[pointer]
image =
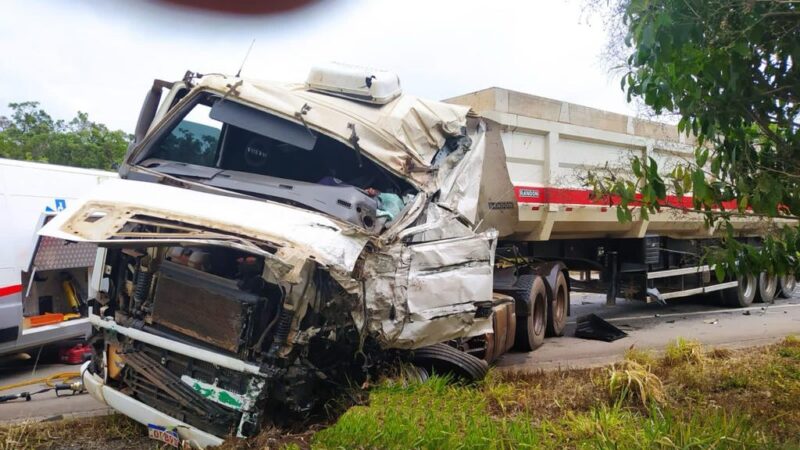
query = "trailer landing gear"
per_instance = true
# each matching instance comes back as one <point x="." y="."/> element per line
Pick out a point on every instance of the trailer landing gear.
<point x="613" y="282"/>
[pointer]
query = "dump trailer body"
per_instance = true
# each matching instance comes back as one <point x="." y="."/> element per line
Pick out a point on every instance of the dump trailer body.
<point x="539" y="152"/>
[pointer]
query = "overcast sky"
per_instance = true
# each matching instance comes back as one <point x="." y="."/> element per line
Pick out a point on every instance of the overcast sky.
<point x="101" y="56"/>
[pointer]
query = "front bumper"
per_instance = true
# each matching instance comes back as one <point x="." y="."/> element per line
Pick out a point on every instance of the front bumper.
<point x="142" y="413"/>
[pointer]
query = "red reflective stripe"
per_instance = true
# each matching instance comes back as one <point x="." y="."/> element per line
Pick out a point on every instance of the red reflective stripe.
<point x="544" y="195"/>
<point x="8" y="290"/>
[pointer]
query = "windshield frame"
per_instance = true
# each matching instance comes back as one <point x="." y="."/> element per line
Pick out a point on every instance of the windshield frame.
<point x="144" y="152"/>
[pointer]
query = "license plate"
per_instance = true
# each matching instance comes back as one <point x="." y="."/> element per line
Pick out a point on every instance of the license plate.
<point x="159" y="433"/>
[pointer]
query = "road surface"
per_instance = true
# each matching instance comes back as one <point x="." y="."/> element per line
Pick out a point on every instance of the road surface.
<point x="652" y="326"/>
<point x="648" y="326"/>
<point x="46" y="406"/>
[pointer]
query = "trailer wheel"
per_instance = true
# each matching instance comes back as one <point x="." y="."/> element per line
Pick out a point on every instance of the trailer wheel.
<point x="442" y="359"/>
<point x="767" y="287"/>
<point x="744" y="294"/>
<point x="531" y="327"/>
<point x="786" y="286"/>
<point x="557" y="309"/>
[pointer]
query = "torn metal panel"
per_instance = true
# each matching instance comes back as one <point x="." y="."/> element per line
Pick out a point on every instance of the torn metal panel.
<point x="450" y="272"/>
<point x="424" y="293"/>
<point x="385" y="304"/>
<point x="102" y="216"/>
<point x="460" y="187"/>
<point x="440" y="223"/>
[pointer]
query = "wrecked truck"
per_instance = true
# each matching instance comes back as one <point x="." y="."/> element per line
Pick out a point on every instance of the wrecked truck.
<point x="267" y="245"/>
<point x="270" y="244"/>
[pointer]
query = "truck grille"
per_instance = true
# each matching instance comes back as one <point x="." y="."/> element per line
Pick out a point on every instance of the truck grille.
<point x="153" y="384"/>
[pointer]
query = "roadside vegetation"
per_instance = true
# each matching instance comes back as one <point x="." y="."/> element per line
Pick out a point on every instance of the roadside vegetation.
<point x="685" y="397"/>
<point x="29" y="133"/>
<point x="727" y="71"/>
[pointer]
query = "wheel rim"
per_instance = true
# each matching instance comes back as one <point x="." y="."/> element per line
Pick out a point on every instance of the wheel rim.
<point x="769" y="285"/>
<point x="539" y="320"/>
<point x="747" y="286"/>
<point x="788" y="284"/>
<point x="560" y="305"/>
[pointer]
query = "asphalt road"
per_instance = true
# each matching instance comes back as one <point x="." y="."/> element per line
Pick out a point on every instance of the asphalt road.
<point x="45" y="406"/>
<point x="653" y="326"/>
<point x="648" y="325"/>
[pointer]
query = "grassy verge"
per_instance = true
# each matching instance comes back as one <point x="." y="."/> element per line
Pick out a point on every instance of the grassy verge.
<point x="688" y="398"/>
<point x="92" y="433"/>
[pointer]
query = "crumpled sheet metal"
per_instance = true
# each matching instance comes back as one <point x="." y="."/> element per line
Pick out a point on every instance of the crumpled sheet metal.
<point x="402" y="135"/>
<point x="298" y="233"/>
<point x="421" y="294"/>
<point x="460" y="187"/>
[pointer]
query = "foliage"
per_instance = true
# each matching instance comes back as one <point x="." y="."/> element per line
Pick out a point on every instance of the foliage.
<point x="633" y="382"/>
<point x="744" y="400"/>
<point x="683" y="351"/>
<point x="728" y="69"/>
<point x="31" y="134"/>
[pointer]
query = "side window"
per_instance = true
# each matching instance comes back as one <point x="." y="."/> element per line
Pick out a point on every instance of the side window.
<point x="194" y="140"/>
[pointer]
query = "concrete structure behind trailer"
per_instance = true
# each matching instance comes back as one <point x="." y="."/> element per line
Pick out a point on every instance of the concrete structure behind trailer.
<point x="538" y="153"/>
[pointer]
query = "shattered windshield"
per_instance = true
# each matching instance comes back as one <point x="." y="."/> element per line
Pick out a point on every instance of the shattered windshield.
<point x="228" y="145"/>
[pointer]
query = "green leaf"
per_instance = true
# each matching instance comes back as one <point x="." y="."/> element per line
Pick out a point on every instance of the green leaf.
<point x="637" y="167"/>
<point x="702" y="156"/>
<point x="620" y="214"/>
<point x="719" y="270"/>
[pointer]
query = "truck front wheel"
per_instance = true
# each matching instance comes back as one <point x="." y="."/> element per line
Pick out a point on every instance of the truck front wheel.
<point x="557" y="309"/>
<point x="531" y="327"/>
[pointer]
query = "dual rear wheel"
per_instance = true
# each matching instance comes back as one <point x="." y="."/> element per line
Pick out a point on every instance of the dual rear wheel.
<point x="547" y="314"/>
<point x="763" y="288"/>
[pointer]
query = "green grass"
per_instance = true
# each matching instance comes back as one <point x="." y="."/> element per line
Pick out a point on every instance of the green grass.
<point x="691" y="398"/>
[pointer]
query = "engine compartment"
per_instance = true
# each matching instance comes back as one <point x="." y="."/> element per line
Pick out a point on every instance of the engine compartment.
<point x="226" y="301"/>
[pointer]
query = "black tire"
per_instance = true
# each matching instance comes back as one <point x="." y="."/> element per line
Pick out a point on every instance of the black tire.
<point x="767" y="288"/>
<point x="442" y="359"/>
<point x="532" y="326"/>
<point x="558" y="307"/>
<point x="742" y="295"/>
<point x="786" y="286"/>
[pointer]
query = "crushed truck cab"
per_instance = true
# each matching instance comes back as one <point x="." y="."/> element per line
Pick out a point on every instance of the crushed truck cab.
<point x="268" y="245"/>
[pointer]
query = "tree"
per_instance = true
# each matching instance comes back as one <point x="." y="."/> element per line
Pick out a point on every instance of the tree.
<point x="31" y="134"/>
<point x="728" y="69"/>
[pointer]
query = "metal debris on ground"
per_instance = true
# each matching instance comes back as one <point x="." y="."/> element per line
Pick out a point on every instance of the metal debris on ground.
<point x="591" y="326"/>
